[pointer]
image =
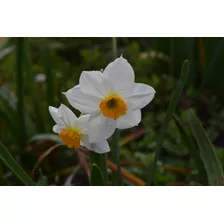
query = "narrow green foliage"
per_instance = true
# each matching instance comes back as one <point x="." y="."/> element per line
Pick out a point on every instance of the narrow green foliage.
<point x="172" y="106"/>
<point x="207" y="151"/>
<point x="12" y="164"/>
<point x="172" y="55"/>
<point x="212" y="66"/>
<point x="8" y="105"/>
<point x="20" y="88"/>
<point x="101" y="161"/>
<point x="117" y="177"/>
<point x="192" y="148"/>
<point x="96" y="178"/>
<point x="50" y="83"/>
<point x="32" y="89"/>
<point x="50" y="79"/>
<point x="103" y="165"/>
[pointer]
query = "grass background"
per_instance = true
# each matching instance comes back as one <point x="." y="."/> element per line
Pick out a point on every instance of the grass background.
<point x="34" y="72"/>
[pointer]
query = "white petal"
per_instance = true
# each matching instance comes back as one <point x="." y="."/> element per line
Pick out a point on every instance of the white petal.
<point x="55" y="114"/>
<point x="67" y="115"/>
<point x="120" y="72"/>
<point x="126" y="90"/>
<point x="141" y="96"/>
<point x="82" y="123"/>
<point x="85" y="141"/>
<point x="83" y="102"/>
<point x="58" y="128"/>
<point x="94" y="83"/>
<point x="101" y="147"/>
<point x="131" y="119"/>
<point x="100" y="127"/>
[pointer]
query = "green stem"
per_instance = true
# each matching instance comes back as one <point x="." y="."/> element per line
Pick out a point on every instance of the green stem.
<point x="20" y="89"/>
<point x="117" y="177"/>
<point x="114" y="46"/>
<point x="172" y="54"/>
<point x="103" y="166"/>
<point x="101" y="161"/>
<point x="177" y="92"/>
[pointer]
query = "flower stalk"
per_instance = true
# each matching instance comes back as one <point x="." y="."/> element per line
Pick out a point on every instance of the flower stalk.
<point x="117" y="177"/>
<point x="20" y="88"/>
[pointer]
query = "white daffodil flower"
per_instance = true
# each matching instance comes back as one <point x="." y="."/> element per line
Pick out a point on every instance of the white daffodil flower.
<point x="73" y="131"/>
<point x="112" y="98"/>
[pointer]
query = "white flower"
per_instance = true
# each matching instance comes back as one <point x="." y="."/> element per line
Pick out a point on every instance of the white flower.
<point x="73" y="131"/>
<point x="112" y="98"/>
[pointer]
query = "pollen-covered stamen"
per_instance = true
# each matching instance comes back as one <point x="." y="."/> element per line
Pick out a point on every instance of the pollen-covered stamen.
<point x="113" y="106"/>
<point x="70" y="138"/>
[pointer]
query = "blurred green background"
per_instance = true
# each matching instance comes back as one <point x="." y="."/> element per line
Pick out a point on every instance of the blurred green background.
<point x="34" y="72"/>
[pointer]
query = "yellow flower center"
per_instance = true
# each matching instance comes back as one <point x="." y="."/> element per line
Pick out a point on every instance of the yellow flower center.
<point x="113" y="106"/>
<point x="70" y="137"/>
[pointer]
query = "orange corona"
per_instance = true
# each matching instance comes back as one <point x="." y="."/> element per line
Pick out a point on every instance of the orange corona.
<point x="70" y="138"/>
<point x="113" y="106"/>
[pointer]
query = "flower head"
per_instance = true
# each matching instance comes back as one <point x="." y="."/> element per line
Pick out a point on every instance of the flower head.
<point x="112" y="98"/>
<point x="73" y="131"/>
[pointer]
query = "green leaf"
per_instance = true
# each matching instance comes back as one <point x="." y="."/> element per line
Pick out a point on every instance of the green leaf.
<point x="20" y="89"/>
<point x="172" y="106"/>
<point x="12" y="164"/>
<point x="193" y="149"/>
<point x="212" y="65"/>
<point x="32" y="89"/>
<point x="207" y="151"/>
<point x="117" y="177"/>
<point x="8" y="102"/>
<point x="101" y="161"/>
<point x="96" y="178"/>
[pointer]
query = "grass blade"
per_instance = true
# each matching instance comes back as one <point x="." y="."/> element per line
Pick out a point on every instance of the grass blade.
<point x="172" y="106"/>
<point x="172" y="55"/>
<point x="207" y="151"/>
<point x="101" y="161"/>
<point x="20" y="89"/>
<point x="32" y="89"/>
<point x="50" y="83"/>
<point x="96" y="178"/>
<point x="12" y="164"/>
<point x="8" y="104"/>
<point x="211" y="66"/>
<point x="192" y="148"/>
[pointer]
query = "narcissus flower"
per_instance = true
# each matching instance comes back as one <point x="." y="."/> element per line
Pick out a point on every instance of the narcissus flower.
<point x="112" y="98"/>
<point x="73" y="131"/>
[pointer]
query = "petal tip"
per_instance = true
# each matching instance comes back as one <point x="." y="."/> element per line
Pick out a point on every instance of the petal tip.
<point x="52" y="109"/>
